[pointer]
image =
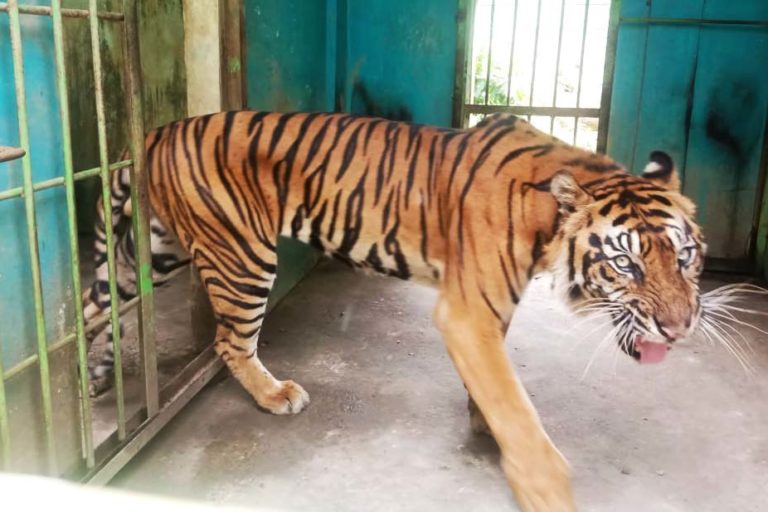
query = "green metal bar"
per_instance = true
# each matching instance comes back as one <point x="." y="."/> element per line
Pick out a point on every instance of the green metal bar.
<point x="141" y="209"/>
<point x="31" y="360"/>
<point x="176" y="395"/>
<point x="95" y="323"/>
<point x="53" y="182"/>
<point x="524" y="110"/>
<point x="40" y="10"/>
<point x="490" y="53"/>
<point x="693" y="21"/>
<point x="512" y="53"/>
<point x="557" y="63"/>
<point x="5" y="434"/>
<point x="581" y="69"/>
<point x="29" y="207"/>
<point x="535" y="53"/>
<point x="608" y="72"/>
<point x="106" y="195"/>
<point x="86" y="423"/>
<point x="103" y="319"/>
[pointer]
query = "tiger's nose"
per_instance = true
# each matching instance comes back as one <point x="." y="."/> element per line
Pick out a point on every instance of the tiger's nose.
<point x="674" y="331"/>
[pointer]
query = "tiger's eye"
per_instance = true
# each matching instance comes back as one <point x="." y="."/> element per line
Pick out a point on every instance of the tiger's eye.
<point x="624" y="263"/>
<point x="686" y="255"/>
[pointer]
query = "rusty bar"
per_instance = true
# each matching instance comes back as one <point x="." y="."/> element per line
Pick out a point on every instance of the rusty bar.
<point x="141" y="210"/>
<point x="106" y="196"/>
<point x="232" y="35"/>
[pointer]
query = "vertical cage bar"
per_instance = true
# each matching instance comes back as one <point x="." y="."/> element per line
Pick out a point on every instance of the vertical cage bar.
<point x="512" y="53"/>
<point x="141" y="209"/>
<point x="462" y="88"/>
<point x="557" y="63"/>
<point x="581" y="69"/>
<point x="86" y="425"/>
<point x="34" y="256"/>
<point x="5" y="434"/>
<point x="535" y="54"/>
<point x="106" y="196"/>
<point x="608" y="71"/>
<point x="490" y="53"/>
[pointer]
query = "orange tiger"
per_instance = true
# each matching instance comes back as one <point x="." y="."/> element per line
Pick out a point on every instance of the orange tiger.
<point x="475" y="213"/>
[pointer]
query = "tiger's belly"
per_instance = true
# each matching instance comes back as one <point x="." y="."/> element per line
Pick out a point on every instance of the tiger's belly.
<point x="373" y="253"/>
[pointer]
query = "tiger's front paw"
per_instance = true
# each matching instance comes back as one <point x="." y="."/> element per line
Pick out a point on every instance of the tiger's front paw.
<point x="289" y="398"/>
<point x="542" y="484"/>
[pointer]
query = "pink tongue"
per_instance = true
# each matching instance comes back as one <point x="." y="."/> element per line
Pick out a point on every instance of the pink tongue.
<point x="650" y="352"/>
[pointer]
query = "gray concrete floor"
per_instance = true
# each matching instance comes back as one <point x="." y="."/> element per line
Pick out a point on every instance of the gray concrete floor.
<point x="387" y="428"/>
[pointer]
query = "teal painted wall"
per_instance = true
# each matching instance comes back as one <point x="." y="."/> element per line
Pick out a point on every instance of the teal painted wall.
<point x="17" y="310"/>
<point x="699" y="93"/>
<point x="390" y="58"/>
<point x="400" y="58"/>
<point x="17" y="319"/>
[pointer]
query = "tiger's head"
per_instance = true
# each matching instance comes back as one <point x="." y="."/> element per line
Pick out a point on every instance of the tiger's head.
<point x="629" y="250"/>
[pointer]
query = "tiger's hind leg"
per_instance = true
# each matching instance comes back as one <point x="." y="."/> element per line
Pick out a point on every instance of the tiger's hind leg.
<point x="239" y="304"/>
<point x="100" y="375"/>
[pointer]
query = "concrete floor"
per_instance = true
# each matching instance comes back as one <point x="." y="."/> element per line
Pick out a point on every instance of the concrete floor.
<point x="387" y="428"/>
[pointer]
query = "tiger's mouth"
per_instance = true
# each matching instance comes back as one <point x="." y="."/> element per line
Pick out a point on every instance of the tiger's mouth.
<point x="647" y="350"/>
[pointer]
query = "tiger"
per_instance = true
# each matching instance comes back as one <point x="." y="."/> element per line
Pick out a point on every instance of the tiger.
<point x="475" y="213"/>
<point x="167" y="256"/>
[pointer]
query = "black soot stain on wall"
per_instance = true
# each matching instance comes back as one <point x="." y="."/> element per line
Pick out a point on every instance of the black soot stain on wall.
<point x="364" y="103"/>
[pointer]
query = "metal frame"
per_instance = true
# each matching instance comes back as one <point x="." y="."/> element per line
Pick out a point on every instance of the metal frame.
<point x="463" y="108"/>
<point x="100" y="463"/>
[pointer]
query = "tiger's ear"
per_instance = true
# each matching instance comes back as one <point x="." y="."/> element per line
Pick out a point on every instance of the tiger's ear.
<point x="568" y="193"/>
<point x="661" y="171"/>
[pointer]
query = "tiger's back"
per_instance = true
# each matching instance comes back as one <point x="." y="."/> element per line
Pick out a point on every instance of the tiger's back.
<point x="375" y="193"/>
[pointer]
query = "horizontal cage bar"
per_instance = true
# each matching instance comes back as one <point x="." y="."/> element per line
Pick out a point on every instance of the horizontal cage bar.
<point x="95" y="323"/>
<point x="8" y="153"/>
<point x="39" y="10"/>
<point x="694" y="21"/>
<point x="525" y="110"/>
<point x="53" y="182"/>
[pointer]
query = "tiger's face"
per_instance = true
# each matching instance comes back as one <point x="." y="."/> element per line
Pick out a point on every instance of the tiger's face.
<point x="630" y="252"/>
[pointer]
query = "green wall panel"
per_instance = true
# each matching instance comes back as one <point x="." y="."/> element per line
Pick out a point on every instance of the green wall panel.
<point x="699" y="93"/>
<point x="400" y="59"/>
<point x="286" y="71"/>
<point x="389" y="58"/>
